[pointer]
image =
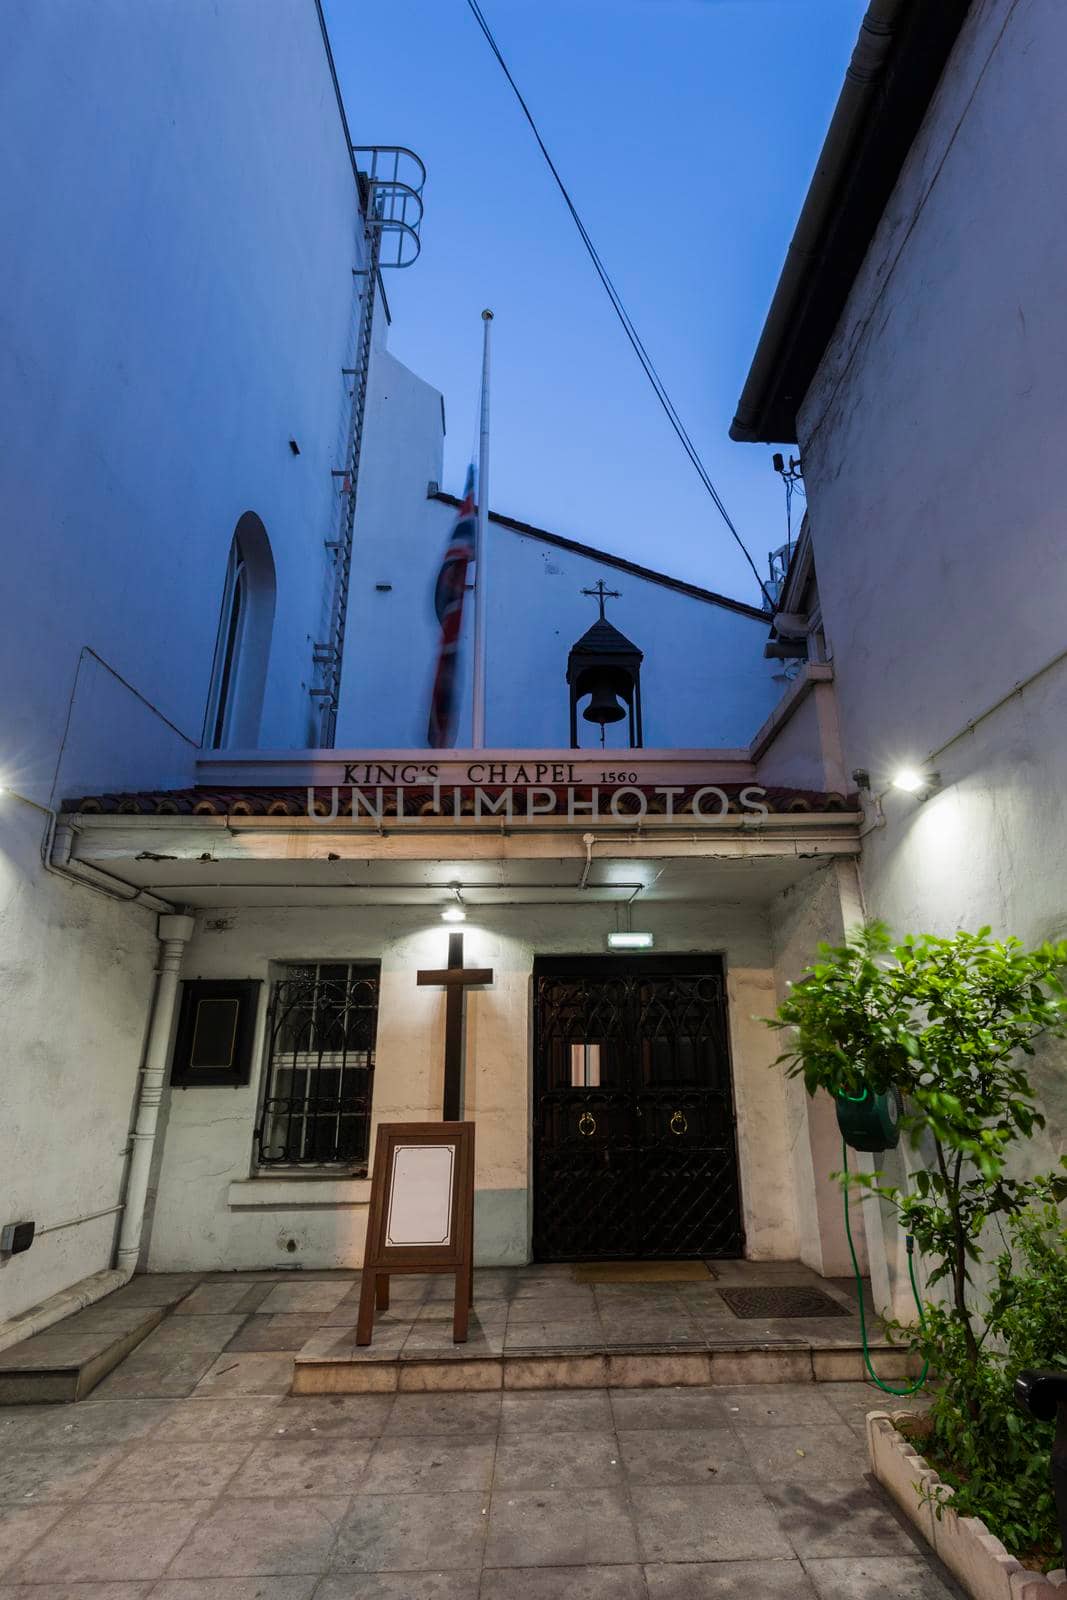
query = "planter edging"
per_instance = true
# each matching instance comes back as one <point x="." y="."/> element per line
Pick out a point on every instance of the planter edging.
<point x="971" y="1553"/>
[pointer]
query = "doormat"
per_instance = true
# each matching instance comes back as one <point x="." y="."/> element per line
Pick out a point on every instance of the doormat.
<point x="642" y="1272"/>
<point x="781" y="1301"/>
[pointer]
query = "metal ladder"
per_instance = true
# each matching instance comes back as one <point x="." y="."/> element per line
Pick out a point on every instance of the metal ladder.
<point x="392" y="209"/>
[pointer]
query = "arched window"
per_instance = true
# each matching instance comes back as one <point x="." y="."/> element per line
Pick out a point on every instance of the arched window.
<point x="242" y="650"/>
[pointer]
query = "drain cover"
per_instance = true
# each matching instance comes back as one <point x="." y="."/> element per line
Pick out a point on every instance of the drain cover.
<point x="781" y="1300"/>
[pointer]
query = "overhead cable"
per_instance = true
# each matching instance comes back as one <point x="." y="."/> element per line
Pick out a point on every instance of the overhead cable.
<point x="647" y="364"/>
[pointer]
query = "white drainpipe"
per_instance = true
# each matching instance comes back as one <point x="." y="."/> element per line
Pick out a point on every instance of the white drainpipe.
<point x="175" y="930"/>
<point x="57" y="853"/>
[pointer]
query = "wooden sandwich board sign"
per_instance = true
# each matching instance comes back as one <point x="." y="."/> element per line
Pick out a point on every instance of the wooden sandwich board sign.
<point x="421" y="1215"/>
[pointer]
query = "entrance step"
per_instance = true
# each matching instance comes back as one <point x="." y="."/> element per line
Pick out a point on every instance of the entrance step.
<point x="351" y="1370"/>
<point x="67" y="1360"/>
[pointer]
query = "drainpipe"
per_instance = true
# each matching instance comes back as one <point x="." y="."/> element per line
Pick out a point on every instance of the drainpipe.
<point x="58" y="856"/>
<point x="175" y="930"/>
<point x="589" y="840"/>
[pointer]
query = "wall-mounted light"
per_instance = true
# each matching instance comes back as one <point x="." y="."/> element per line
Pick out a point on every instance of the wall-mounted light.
<point x="457" y="911"/>
<point x="630" y="941"/>
<point x="916" y="781"/>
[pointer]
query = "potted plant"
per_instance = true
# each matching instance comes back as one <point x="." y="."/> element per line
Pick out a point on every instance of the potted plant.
<point x="951" y="1023"/>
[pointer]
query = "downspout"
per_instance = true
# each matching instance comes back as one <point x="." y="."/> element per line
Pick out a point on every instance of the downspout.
<point x="858" y="91"/>
<point x="589" y="840"/>
<point x="175" y="930"/>
<point x="58" y="857"/>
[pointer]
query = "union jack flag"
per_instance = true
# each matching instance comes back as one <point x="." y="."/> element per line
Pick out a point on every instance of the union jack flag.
<point x="448" y="603"/>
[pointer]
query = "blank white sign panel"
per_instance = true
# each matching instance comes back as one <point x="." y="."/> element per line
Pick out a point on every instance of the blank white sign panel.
<point x="420" y="1195"/>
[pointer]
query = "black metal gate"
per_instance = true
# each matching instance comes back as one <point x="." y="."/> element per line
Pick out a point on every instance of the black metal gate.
<point x="634" y="1151"/>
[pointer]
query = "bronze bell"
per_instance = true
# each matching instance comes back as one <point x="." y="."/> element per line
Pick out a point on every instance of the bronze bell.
<point x="603" y="704"/>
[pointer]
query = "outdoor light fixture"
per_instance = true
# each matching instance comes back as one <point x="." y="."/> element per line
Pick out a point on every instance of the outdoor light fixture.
<point x="630" y="941"/>
<point x="456" y="912"/>
<point x="912" y="780"/>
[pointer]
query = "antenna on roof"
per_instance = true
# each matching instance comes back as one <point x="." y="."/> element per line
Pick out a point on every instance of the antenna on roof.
<point x="792" y="477"/>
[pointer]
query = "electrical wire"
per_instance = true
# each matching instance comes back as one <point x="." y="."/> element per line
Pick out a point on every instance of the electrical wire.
<point x="623" y="315"/>
<point x="912" y="1388"/>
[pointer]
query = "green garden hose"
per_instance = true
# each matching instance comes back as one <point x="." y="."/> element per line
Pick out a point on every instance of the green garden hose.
<point x="875" y="1379"/>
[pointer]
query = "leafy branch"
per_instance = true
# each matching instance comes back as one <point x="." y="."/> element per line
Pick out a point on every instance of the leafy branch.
<point x="951" y="1023"/>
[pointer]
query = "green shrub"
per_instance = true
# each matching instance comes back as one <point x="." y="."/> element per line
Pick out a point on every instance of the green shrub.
<point x="951" y="1023"/>
<point x="995" y="1457"/>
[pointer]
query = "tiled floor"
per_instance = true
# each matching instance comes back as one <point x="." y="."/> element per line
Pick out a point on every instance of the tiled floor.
<point x="236" y="1332"/>
<point x="639" y="1494"/>
<point x="191" y="1472"/>
<point x="539" y="1308"/>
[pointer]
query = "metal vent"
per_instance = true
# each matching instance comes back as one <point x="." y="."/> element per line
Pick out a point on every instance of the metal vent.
<point x="781" y="1300"/>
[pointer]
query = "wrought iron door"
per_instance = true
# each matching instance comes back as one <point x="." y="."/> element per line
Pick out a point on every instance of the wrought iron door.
<point x="634" y="1151"/>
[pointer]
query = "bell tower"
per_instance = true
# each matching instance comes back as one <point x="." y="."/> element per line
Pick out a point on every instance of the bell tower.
<point x="606" y="666"/>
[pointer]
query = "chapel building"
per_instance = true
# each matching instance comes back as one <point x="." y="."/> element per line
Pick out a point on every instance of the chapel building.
<point x="243" y="896"/>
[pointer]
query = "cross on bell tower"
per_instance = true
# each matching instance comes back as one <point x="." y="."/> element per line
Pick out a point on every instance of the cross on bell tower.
<point x="601" y="593"/>
<point x="605" y="666"/>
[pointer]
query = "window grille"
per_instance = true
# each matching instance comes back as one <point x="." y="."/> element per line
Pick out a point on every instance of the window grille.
<point x="321" y="1030"/>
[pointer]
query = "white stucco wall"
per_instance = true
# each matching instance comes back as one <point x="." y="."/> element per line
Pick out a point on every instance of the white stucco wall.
<point x="932" y="435"/>
<point x="76" y="975"/>
<point x="932" y="442"/>
<point x="932" y="447"/>
<point x="800" y="745"/>
<point x="392" y="634"/>
<point x="821" y="910"/>
<point x="181" y="224"/>
<point x="179" y="305"/>
<point x="704" y="680"/>
<point x="208" y="1140"/>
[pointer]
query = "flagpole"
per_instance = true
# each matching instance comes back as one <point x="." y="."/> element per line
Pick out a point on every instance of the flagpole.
<point x="481" y="551"/>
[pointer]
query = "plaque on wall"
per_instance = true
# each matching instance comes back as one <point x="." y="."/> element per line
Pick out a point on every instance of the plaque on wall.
<point x="216" y="1029"/>
<point x="421" y="1215"/>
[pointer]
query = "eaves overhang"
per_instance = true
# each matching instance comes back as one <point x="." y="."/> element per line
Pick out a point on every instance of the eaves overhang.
<point x="250" y="862"/>
<point x="894" y="72"/>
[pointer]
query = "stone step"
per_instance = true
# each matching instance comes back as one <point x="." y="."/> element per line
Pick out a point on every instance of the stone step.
<point x="69" y="1359"/>
<point x="363" y="1371"/>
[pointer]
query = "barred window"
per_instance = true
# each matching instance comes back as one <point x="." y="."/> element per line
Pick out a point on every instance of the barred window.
<point x="320" y="1066"/>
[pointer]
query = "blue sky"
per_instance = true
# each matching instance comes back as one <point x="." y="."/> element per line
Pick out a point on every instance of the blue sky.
<point x="687" y="131"/>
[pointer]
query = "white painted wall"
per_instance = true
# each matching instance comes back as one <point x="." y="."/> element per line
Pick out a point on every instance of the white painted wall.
<point x="181" y="224"/>
<point x="815" y="911"/>
<point x="178" y="307"/>
<point x="208" y="1142"/>
<point x="76" y="977"/>
<point x="800" y="744"/>
<point x="704" y="680"/>
<point x="391" y="639"/>
<point x="932" y="442"/>
<point x="932" y="435"/>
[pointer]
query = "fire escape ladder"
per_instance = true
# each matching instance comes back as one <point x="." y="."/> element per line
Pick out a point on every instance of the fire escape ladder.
<point x="390" y="184"/>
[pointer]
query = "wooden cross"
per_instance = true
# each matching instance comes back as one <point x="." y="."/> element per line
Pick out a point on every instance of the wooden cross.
<point x="455" y="979"/>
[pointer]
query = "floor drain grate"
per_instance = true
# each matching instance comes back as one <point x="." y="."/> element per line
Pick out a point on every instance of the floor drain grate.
<point x="781" y="1301"/>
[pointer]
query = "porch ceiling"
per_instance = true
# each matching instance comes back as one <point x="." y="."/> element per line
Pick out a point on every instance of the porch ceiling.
<point x="202" y="866"/>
